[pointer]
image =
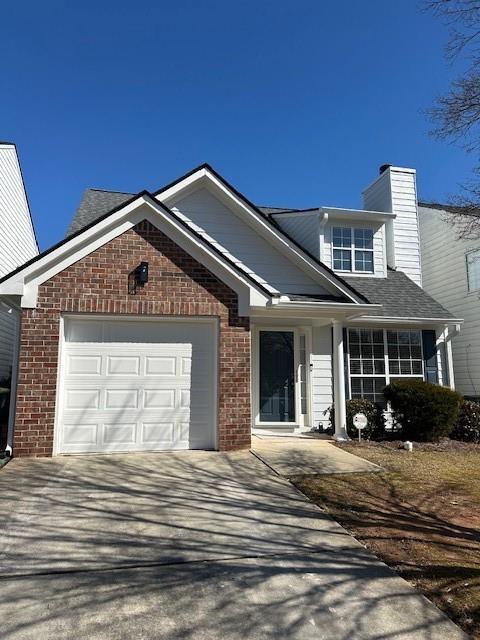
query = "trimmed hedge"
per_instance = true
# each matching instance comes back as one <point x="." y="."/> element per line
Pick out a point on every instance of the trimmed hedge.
<point x="467" y="428"/>
<point x="426" y="411"/>
<point x="373" y="412"/>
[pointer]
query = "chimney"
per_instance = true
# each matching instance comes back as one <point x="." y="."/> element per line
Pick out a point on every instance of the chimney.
<point x="395" y="190"/>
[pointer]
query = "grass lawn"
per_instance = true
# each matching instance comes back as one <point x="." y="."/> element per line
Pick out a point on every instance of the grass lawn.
<point x="422" y="517"/>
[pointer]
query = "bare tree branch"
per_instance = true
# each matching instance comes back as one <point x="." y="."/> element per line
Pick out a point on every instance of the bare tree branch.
<point x="456" y="115"/>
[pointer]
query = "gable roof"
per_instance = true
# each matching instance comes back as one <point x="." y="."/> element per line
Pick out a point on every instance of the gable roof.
<point x="96" y="203"/>
<point x="87" y="211"/>
<point x="399" y="296"/>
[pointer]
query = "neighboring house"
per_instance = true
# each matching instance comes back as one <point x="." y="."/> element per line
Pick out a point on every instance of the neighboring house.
<point x="187" y="317"/>
<point x="17" y="243"/>
<point x="451" y="273"/>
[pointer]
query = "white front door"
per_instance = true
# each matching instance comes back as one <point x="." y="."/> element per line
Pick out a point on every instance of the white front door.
<point x="130" y="385"/>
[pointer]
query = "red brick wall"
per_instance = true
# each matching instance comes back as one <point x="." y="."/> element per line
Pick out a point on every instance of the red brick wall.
<point x="178" y="286"/>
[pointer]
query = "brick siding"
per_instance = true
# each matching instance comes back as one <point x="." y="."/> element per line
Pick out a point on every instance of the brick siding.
<point x="178" y="286"/>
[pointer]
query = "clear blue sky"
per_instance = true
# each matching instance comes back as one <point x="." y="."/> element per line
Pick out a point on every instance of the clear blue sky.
<point x="296" y="103"/>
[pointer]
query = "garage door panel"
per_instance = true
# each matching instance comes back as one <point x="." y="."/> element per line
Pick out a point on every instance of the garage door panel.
<point x="134" y="396"/>
<point x="121" y="398"/>
<point x="84" y="365"/>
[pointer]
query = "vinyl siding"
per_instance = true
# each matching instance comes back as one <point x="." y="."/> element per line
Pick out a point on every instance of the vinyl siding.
<point x="445" y="278"/>
<point x="7" y="336"/>
<point x="321" y="374"/>
<point x="395" y="190"/>
<point x="303" y="228"/>
<point x="234" y="237"/>
<point x="17" y="239"/>
<point x="378" y="247"/>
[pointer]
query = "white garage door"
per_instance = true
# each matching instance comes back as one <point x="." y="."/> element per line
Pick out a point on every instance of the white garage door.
<point x="137" y="386"/>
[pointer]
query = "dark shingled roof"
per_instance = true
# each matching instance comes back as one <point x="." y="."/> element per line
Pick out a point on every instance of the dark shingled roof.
<point x="400" y="296"/>
<point x="95" y="204"/>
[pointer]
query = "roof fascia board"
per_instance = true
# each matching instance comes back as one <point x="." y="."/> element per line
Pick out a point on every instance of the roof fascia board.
<point x="283" y="242"/>
<point x="358" y="214"/>
<point x="144" y="207"/>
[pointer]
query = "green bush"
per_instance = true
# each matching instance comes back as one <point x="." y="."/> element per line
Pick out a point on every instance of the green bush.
<point x="373" y="412"/>
<point x="426" y="412"/>
<point x="467" y="427"/>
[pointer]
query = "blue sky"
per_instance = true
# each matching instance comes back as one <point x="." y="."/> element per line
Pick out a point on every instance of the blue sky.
<point x="296" y="103"/>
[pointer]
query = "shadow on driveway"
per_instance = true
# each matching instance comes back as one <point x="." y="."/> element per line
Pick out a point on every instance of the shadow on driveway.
<point x="188" y="545"/>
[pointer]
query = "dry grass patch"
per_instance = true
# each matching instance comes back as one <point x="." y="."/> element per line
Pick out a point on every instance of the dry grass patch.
<point x="422" y="517"/>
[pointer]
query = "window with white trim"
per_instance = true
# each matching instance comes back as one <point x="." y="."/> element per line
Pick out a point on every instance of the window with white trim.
<point x="473" y="270"/>
<point x="352" y="249"/>
<point x="378" y="356"/>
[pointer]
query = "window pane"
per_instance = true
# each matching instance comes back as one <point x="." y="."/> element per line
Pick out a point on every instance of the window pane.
<point x="379" y="366"/>
<point x="354" y="350"/>
<point x="342" y="259"/>
<point x="363" y="238"/>
<point x="417" y="366"/>
<point x="355" y="366"/>
<point x="394" y="366"/>
<point x="404" y="353"/>
<point x="364" y="261"/>
<point x="342" y="237"/>
<point x="354" y="335"/>
<point x="473" y="270"/>
<point x="405" y="367"/>
<point x="367" y="366"/>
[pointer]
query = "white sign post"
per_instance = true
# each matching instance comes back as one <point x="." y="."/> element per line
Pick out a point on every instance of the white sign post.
<point x="360" y="422"/>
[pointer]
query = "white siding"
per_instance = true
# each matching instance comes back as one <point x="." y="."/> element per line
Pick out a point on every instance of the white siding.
<point x="445" y="279"/>
<point x="304" y="228"/>
<point x="378" y="246"/>
<point x="17" y="239"/>
<point x="234" y="237"/>
<point x="321" y="374"/>
<point x="395" y="190"/>
<point x="7" y="336"/>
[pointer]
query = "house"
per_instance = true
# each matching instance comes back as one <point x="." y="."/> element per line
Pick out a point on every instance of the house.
<point x="188" y="317"/>
<point x="451" y="273"/>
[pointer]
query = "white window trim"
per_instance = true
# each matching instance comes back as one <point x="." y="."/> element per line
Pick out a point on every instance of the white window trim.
<point x="467" y="254"/>
<point x="352" y="248"/>
<point x="387" y="375"/>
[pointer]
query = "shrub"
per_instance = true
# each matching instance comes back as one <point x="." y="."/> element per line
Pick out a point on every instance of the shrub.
<point x="373" y="412"/>
<point x="426" y="411"/>
<point x="467" y="427"/>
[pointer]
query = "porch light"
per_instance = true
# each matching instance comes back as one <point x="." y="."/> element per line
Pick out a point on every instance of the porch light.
<point x="141" y="275"/>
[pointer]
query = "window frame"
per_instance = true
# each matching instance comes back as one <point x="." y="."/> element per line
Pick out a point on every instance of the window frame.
<point x="387" y="375"/>
<point x="467" y="254"/>
<point x="352" y="249"/>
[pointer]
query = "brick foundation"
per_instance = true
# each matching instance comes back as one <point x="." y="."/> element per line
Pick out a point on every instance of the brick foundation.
<point x="178" y="286"/>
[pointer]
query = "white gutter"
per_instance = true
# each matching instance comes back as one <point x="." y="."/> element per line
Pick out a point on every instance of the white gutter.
<point x="397" y="319"/>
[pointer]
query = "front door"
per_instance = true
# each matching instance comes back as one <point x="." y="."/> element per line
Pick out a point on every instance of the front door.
<point x="277" y="376"/>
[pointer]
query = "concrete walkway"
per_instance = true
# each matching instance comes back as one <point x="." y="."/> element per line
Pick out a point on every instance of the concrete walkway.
<point x="191" y="545"/>
<point x="302" y="456"/>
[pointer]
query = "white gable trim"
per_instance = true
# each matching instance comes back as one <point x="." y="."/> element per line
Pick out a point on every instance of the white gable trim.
<point x="204" y="178"/>
<point x="26" y="281"/>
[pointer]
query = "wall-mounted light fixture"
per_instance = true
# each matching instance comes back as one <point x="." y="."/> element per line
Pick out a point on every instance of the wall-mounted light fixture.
<point x="142" y="273"/>
<point x="138" y="277"/>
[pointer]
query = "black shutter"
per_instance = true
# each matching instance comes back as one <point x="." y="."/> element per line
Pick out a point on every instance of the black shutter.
<point x="429" y="340"/>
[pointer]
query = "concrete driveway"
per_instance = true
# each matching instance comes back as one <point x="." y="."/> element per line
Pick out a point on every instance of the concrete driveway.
<point x="190" y="545"/>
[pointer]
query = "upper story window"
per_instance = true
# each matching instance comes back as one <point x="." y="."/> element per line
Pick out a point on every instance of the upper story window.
<point x="473" y="270"/>
<point x="352" y="249"/>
